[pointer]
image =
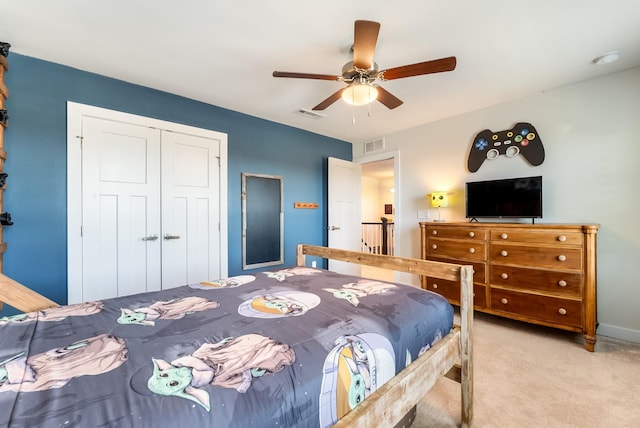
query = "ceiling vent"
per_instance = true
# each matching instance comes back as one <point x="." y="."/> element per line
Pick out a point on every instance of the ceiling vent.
<point x="374" y="145"/>
<point x="310" y="113"/>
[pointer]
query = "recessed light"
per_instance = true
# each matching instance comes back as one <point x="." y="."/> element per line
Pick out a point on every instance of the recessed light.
<point x="607" y="58"/>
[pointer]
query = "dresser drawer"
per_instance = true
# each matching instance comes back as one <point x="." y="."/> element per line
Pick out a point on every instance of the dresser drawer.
<point x="569" y="258"/>
<point x="456" y="249"/>
<point x="475" y="233"/>
<point x="479" y="268"/>
<point x="569" y="283"/>
<point x="451" y="291"/>
<point x="537" y="237"/>
<point x="544" y="308"/>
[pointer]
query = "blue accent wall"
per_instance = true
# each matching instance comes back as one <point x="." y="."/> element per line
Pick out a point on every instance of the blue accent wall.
<point x="36" y="142"/>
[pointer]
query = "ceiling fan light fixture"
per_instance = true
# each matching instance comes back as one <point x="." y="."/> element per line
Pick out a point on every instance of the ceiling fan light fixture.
<point x="359" y="94"/>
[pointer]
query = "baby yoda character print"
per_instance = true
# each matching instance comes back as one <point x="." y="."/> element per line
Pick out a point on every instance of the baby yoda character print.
<point x="57" y="313"/>
<point x="354" y="290"/>
<point x="281" y="275"/>
<point x="170" y="310"/>
<point x="355" y="368"/>
<point x="230" y="363"/>
<point x="56" y="367"/>
<point x="231" y="282"/>
<point x="278" y="305"/>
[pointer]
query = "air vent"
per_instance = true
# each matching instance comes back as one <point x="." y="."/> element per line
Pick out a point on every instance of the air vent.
<point x="374" y="145"/>
<point x="310" y="113"/>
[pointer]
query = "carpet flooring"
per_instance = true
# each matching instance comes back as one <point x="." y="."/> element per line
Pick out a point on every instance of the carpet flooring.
<point x="533" y="376"/>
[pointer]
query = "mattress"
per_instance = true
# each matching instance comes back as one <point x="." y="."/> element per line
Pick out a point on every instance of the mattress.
<point x="295" y="347"/>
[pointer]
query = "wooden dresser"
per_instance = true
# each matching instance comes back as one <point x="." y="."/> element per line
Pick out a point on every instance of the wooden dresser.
<point x="539" y="273"/>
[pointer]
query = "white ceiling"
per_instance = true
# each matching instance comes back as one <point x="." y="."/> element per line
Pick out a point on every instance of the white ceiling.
<point x="223" y="52"/>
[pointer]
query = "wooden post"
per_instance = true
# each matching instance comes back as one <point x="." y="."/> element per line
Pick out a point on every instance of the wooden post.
<point x="466" y="355"/>
<point x="4" y="93"/>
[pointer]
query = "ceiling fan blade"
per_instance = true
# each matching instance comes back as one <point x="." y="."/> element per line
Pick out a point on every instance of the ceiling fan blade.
<point x="364" y="43"/>
<point x="427" y="67"/>
<point x="305" y="75"/>
<point x="330" y="100"/>
<point x="387" y="98"/>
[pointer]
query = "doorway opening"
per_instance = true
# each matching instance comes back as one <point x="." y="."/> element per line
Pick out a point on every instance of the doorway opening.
<point x="379" y="210"/>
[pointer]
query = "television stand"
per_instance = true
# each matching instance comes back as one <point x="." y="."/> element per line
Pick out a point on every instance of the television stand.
<point x="539" y="273"/>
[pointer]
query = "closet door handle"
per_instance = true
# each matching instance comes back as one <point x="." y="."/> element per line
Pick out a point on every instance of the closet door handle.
<point x="166" y="236"/>
<point x="150" y="238"/>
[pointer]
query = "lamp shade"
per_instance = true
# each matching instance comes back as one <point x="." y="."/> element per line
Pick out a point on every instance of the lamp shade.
<point x="439" y="199"/>
<point x="359" y="94"/>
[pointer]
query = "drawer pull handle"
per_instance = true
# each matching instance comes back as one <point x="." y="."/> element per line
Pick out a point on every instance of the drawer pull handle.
<point x="504" y="253"/>
<point x="435" y="232"/>
<point x="504" y="236"/>
<point x="472" y="250"/>
<point x="504" y="301"/>
<point x="562" y="311"/>
<point x="435" y="286"/>
<point x="562" y="238"/>
<point x="562" y="257"/>
<point x="472" y="234"/>
<point x="434" y="246"/>
<point x="504" y="275"/>
<point x="562" y="283"/>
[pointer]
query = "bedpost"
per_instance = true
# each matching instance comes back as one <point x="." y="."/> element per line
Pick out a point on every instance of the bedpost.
<point x="466" y="327"/>
<point x="300" y="257"/>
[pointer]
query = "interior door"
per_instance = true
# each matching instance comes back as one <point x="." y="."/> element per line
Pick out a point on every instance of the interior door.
<point x="190" y="209"/>
<point x="344" y="211"/>
<point x="120" y="209"/>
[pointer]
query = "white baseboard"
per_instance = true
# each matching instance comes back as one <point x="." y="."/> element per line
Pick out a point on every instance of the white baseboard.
<point x="619" y="332"/>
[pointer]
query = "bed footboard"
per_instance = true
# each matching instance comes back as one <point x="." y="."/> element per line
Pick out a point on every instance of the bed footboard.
<point x="392" y="401"/>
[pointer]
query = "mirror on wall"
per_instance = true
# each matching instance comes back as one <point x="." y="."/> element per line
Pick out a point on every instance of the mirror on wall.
<point x="262" y="221"/>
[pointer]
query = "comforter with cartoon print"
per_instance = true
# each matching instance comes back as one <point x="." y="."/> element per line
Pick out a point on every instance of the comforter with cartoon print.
<point x="295" y="347"/>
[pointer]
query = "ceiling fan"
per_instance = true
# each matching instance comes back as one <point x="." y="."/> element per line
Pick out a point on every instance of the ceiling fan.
<point x="362" y="73"/>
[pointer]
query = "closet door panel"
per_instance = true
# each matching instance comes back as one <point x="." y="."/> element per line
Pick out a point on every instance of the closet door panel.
<point x="120" y="209"/>
<point x="190" y="209"/>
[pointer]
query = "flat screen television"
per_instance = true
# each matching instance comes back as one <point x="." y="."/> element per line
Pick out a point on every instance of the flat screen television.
<point x="507" y="198"/>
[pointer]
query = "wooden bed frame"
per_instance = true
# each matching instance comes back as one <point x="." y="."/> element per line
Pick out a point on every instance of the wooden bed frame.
<point x="387" y="406"/>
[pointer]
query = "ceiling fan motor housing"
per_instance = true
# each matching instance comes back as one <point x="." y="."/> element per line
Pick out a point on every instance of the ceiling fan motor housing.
<point x="351" y="73"/>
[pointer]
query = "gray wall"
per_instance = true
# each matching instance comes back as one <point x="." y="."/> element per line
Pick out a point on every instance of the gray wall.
<point x="591" y="174"/>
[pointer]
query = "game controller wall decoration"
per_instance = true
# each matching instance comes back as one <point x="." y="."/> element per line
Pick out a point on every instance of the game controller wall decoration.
<point x="521" y="139"/>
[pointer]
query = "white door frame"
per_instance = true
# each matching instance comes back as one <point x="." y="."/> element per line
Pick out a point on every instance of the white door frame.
<point x="75" y="113"/>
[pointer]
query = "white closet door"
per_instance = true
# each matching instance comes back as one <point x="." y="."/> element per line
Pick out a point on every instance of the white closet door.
<point x="120" y="209"/>
<point x="190" y="209"/>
